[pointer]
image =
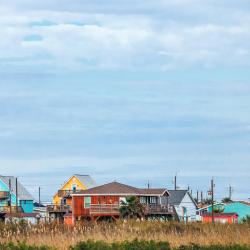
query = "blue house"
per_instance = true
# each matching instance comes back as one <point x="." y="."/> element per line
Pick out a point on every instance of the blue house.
<point x="239" y="207"/>
<point x="8" y="192"/>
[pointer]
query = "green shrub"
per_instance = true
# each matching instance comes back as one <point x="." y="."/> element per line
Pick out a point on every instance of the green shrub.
<point x="126" y="245"/>
<point x="214" y="247"/>
<point x="148" y="245"/>
<point x="21" y="246"/>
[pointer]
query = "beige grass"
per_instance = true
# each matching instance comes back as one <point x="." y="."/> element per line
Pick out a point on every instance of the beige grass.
<point x="176" y="234"/>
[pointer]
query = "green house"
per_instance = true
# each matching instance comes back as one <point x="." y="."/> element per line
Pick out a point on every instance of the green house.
<point x="241" y="208"/>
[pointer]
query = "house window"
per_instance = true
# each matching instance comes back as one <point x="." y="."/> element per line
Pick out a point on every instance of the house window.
<point x="153" y="200"/>
<point x="143" y="200"/>
<point x="74" y="188"/>
<point x="87" y="202"/>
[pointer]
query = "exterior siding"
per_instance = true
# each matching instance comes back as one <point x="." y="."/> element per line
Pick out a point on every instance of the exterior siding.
<point x="187" y="209"/>
<point x="236" y="207"/>
<point x="4" y="202"/>
<point x="78" y="203"/>
<point x="69" y="186"/>
<point x="221" y="218"/>
<point x="27" y="206"/>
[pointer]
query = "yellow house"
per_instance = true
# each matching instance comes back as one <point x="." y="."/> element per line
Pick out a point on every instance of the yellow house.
<point x="76" y="183"/>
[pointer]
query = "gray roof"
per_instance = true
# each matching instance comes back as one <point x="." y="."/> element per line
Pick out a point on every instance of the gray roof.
<point x="87" y="180"/>
<point x="116" y="188"/>
<point x="23" y="194"/>
<point x="176" y="196"/>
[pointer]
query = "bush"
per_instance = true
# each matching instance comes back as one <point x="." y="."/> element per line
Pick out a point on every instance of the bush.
<point x="126" y="245"/>
<point x="214" y="247"/>
<point x="22" y="246"/>
<point x="148" y="245"/>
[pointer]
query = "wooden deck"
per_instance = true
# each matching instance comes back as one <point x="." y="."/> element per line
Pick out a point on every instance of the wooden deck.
<point x="12" y="209"/>
<point x="58" y="208"/>
<point x="65" y="193"/>
<point x="113" y="209"/>
<point x="158" y="209"/>
<point x="104" y="209"/>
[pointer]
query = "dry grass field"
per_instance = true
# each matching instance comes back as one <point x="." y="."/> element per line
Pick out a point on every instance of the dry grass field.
<point x="62" y="237"/>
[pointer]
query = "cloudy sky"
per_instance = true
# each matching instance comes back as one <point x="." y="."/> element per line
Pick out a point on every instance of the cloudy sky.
<point x="131" y="91"/>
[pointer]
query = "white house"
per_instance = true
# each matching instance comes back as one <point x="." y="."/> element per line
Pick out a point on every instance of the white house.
<point x="184" y="204"/>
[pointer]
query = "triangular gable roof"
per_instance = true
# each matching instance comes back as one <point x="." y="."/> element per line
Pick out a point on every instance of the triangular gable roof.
<point x="154" y="191"/>
<point x="176" y="197"/>
<point x="116" y="188"/>
<point x="23" y="194"/>
<point x="206" y="207"/>
<point x="87" y="180"/>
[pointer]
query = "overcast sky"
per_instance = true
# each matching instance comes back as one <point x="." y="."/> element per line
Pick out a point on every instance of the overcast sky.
<point x="131" y="91"/>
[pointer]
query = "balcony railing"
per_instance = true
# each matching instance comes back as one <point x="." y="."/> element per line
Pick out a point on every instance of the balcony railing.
<point x="12" y="209"/>
<point x="158" y="209"/>
<point x="104" y="209"/>
<point x="58" y="208"/>
<point x="4" y="194"/>
<point x="150" y="209"/>
<point x="63" y="193"/>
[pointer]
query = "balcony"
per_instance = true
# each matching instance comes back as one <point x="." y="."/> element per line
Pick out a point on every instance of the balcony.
<point x="157" y="209"/>
<point x="4" y="194"/>
<point x="12" y="209"/>
<point x="104" y="209"/>
<point x="65" y="193"/>
<point x="58" y="208"/>
<point x="113" y="209"/>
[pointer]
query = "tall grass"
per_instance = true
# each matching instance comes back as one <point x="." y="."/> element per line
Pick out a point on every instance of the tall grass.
<point x="62" y="237"/>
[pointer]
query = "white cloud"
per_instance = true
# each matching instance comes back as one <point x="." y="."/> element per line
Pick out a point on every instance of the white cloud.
<point x="76" y="41"/>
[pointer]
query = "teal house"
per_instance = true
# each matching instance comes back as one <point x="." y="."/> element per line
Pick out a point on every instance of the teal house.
<point x="241" y="208"/>
<point x="8" y="192"/>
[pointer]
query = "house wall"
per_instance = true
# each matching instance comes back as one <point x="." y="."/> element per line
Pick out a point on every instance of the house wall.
<point x="69" y="186"/>
<point x="236" y="207"/>
<point x="78" y="208"/>
<point x="27" y="206"/>
<point x="187" y="209"/>
<point x="220" y="219"/>
<point x="4" y="202"/>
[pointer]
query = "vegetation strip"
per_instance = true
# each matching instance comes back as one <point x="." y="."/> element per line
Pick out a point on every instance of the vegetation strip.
<point x="126" y="245"/>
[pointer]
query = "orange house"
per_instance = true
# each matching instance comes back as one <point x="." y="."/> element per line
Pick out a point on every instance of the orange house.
<point x="225" y="218"/>
<point x="104" y="201"/>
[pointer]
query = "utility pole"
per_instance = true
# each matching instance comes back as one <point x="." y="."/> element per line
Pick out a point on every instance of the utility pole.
<point x="201" y="196"/>
<point x="148" y="185"/>
<point x="175" y="182"/>
<point x="16" y="196"/>
<point x="212" y="193"/>
<point x="39" y="195"/>
<point x="10" y="196"/>
<point x="230" y="192"/>
<point x="197" y="196"/>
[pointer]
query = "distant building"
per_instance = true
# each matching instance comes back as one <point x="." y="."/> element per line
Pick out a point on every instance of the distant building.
<point x="15" y="200"/>
<point x="225" y="218"/>
<point x="75" y="183"/>
<point x="104" y="201"/>
<point x="241" y="208"/>
<point x="63" y="198"/>
<point x="184" y="204"/>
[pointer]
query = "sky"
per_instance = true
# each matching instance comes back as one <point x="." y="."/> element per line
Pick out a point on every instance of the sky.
<point x="132" y="91"/>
